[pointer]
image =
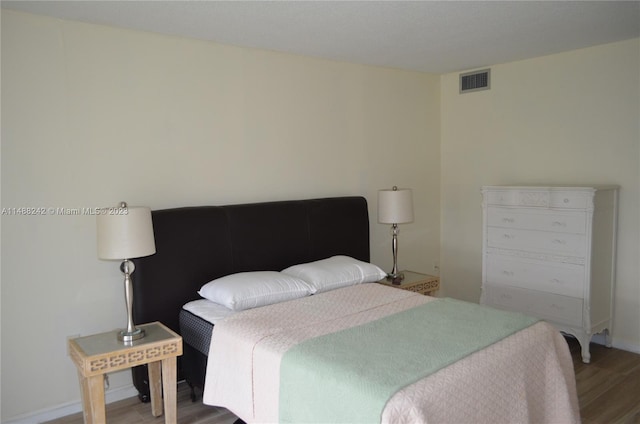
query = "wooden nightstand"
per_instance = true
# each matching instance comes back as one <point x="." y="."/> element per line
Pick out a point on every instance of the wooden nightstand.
<point x="102" y="353"/>
<point x="416" y="282"/>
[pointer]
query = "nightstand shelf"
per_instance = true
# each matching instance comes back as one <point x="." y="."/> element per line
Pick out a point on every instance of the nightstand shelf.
<point x="99" y="354"/>
<point x="416" y="282"/>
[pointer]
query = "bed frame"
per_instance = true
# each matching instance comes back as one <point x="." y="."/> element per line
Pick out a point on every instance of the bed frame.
<point x="194" y="245"/>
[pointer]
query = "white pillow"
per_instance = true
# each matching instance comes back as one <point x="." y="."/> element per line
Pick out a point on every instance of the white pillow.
<point x="335" y="272"/>
<point x="246" y="290"/>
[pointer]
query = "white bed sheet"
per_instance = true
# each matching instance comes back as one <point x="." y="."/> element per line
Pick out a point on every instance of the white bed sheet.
<point x="208" y="310"/>
<point x="526" y="377"/>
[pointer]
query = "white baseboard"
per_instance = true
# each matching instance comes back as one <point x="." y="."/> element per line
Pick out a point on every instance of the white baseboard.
<point x="626" y="346"/>
<point x="69" y="408"/>
<point x="599" y="339"/>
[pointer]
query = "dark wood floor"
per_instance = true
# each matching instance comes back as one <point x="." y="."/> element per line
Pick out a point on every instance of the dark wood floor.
<point x="608" y="387"/>
<point x="608" y="392"/>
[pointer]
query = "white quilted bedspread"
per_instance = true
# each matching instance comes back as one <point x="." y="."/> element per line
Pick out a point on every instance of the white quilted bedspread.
<point x="526" y="378"/>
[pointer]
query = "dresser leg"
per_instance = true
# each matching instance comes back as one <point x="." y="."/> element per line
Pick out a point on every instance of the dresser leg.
<point x="584" y="340"/>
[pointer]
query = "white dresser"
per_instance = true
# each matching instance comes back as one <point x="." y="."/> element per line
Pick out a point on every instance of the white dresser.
<point x="549" y="252"/>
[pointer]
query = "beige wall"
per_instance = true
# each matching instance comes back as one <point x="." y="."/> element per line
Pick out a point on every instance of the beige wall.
<point x="571" y="118"/>
<point x="93" y="115"/>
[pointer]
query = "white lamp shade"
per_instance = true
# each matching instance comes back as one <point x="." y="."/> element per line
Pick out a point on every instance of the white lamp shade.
<point x="125" y="235"/>
<point x="395" y="206"/>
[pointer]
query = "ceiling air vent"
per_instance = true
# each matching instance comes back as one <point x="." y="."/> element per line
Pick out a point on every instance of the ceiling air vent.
<point x="475" y="81"/>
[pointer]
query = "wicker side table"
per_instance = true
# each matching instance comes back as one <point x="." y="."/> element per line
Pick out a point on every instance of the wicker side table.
<point x="99" y="354"/>
<point x="416" y="282"/>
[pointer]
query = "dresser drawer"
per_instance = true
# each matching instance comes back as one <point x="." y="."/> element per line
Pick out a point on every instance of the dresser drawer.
<point x="571" y="199"/>
<point x="558" y="278"/>
<point x="542" y="220"/>
<point x="514" y="197"/>
<point x="537" y="241"/>
<point x="541" y="198"/>
<point x="552" y="307"/>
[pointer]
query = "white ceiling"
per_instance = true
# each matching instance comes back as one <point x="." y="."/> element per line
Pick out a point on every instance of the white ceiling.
<point x="428" y="36"/>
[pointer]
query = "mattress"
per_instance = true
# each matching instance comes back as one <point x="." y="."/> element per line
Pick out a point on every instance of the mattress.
<point x="525" y="377"/>
<point x="197" y="319"/>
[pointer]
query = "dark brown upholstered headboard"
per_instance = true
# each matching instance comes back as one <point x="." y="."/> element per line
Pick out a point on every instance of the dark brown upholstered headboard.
<point x="197" y="244"/>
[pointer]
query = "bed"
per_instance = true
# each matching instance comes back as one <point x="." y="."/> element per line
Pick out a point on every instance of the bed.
<point x="253" y="362"/>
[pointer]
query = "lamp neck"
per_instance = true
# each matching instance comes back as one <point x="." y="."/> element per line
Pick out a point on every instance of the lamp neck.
<point x="127" y="267"/>
<point x="394" y="248"/>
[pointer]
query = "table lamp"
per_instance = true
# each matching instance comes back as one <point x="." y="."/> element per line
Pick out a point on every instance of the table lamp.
<point x="126" y="232"/>
<point x="395" y="207"/>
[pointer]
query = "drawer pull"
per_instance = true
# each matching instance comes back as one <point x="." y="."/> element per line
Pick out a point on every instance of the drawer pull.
<point x="555" y="280"/>
<point x="508" y="236"/>
<point x="559" y="224"/>
<point x="558" y="241"/>
<point x="508" y="220"/>
<point x="505" y="296"/>
<point x="507" y="273"/>
<point x="554" y="306"/>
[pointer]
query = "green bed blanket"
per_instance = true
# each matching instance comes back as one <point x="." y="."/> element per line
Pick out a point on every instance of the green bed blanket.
<point x="348" y="376"/>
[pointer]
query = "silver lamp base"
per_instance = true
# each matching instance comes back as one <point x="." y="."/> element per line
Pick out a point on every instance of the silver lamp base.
<point x="395" y="278"/>
<point x="129" y="336"/>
